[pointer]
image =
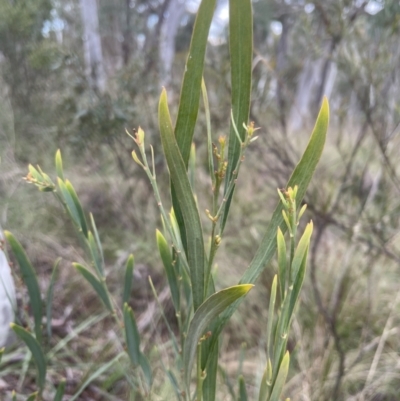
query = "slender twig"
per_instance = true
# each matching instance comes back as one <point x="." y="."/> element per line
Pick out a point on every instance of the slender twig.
<point x="382" y="341"/>
<point x="330" y="319"/>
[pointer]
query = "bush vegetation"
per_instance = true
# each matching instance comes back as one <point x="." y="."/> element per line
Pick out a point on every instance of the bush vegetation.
<point x="142" y="339"/>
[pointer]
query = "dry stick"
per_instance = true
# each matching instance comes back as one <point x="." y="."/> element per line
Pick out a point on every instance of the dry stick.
<point x="306" y="382"/>
<point x="368" y="111"/>
<point x="369" y="347"/>
<point x="329" y="220"/>
<point x="349" y="166"/>
<point x="338" y="286"/>
<point x="368" y="310"/>
<point x="388" y="165"/>
<point x="326" y="221"/>
<point x="330" y="320"/>
<point x="148" y="316"/>
<point x="378" y="353"/>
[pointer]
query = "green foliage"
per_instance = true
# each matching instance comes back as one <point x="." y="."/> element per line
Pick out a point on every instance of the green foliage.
<point x="290" y="277"/>
<point x="28" y="274"/>
<point x="187" y="205"/>
<point x="132" y="335"/>
<point x="18" y="20"/>
<point x="128" y="279"/>
<point x="240" y="32"/>
<point x="36" y="350"/>
<point x="28" y="56"/>
<point x="188" y="259"/>
<point x="166" y="257"/>
<point x="203" y="316"/>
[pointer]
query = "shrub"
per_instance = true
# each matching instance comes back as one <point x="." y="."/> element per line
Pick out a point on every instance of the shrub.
<point x="201" y="311"/>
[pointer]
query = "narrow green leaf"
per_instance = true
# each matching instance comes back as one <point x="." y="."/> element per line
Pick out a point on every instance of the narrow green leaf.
<point x="60" y="391"/>
<point x="226" y="380"/>
<point x="167" y="323"/>
<point x="35" y="173"/>
<point x="49" y="297"/>
<point x="87" y="324"/>
<point x="210" y="382"/>
<point x="146" y="369"/>
<point x="69" y="202"/>
<point x="30" y="279"/>
<point x="175" y="229"/>
<point x="301" y="177"/>
<point x="282" y="262"/>
<point x="242" y="389"/>
<point x="265" y="384"/>
<point x="174" y="384"/>
<point x="192" y="167"/>
<point x="191" y="86"/>
<point x="270" y="323"/>
<point x="210" y="365"/>
<point x="97" y="237"/>
<point x="179" y="218"/>
<point x="280" y="379"/>
<point x="132" y="335"/>
<point x="242" y="354"/>
<point x="32" y="397"/>
<point x="281" y="333"/>
<point x="128" y="279"/>
<point x="194" y="233"/>
<point x="241" y="53"/>
<point x="48" y="183"/>
<point x="98" y="286"/>
<point x="298" y="283"/>
<point x="78" y="206"/>
<point x="165" y="253"/>
<point x="303" y="172"/>
<point x="36" y="350"/>
<point x="96" y="374"/>
<point x="204" y="315"/>
<point x="181" y="267"/>
<point x="59" y="165"/>
<point x="1" y="353"/>
<point x="190" y="97"/>
<point x="210" y="152"/>
<point x="95" y="254"/>
<point x="301" y="250"/>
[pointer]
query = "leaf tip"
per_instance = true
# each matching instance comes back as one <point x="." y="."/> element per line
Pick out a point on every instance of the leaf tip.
<point x="325" y="107"/>
<point x="247" y="288"/>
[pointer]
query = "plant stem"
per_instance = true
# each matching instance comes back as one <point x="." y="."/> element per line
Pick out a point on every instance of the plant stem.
<point x="200" y="375"/>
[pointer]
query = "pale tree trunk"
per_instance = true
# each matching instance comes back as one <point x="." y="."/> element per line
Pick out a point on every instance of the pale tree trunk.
<point x="307" y="82"/>
<point x="173" y="16"/>
<point x="315" y="81"/>
<point x="92" y="45"/>
<point x="326" y="72"/>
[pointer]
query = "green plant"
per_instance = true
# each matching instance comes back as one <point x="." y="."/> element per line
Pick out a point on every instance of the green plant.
<point x="201" y="311"/>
